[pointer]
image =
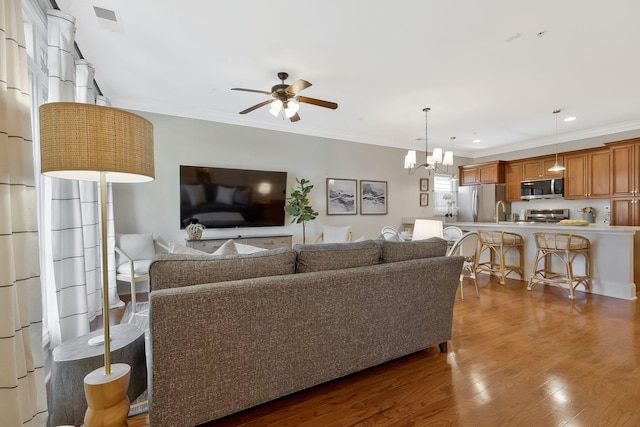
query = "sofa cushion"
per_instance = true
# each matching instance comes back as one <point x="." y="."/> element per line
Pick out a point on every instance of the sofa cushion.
<point x="178" y="270"/>
<point x="402" y="251"/>
<point x="335" y="256"/>
<point x="140" y="267"/>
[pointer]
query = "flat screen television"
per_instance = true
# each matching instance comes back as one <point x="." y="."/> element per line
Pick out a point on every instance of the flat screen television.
<point x="219" y="197"/>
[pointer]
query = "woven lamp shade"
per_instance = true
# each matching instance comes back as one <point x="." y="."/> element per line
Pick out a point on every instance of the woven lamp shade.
<point x="78" y="141"/>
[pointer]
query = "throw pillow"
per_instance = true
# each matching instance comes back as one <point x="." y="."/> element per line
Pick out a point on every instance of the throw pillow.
<point x="175" y="248"/>
<point x="225" y="195"/>
<point x="248" y="249"/>
<point x="227" y="248"/>
<point x="402" y="251"/>
<point x="335" y="234"/>
<point x="336" y="256"/>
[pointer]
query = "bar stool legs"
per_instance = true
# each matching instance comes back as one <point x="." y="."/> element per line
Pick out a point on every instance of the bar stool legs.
<point x="499" y="244"/>
<point x="563" y="249"/>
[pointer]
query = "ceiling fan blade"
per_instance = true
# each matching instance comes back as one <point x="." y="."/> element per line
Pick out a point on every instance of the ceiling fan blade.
<point x="317" y="102"/>
<point x="295" y="117"/>
<point x="298" y="86"/>
<point x="262" y="104"/>
<point x="251" y="90"/>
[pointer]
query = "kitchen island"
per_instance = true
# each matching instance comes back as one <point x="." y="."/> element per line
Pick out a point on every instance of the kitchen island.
<point x="615" y="252"/>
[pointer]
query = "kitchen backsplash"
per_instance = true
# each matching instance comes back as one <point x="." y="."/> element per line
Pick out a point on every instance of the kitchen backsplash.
<point x="574" y="206"/>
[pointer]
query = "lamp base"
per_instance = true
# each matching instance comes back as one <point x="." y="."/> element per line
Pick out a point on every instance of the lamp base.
<point x="107" y="396"/>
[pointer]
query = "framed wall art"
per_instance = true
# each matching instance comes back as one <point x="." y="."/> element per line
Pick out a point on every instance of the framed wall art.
<point x="424" y="184"/>
<point x="424" y="199"/>
<point x="341" y="196"/>
<point x="373" y="197"/>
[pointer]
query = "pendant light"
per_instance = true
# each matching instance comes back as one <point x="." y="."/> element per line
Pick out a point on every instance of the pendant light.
<point x="556" y="167"/>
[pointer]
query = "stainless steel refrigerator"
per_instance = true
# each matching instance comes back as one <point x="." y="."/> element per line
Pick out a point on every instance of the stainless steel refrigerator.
<point x="477" y="203"/>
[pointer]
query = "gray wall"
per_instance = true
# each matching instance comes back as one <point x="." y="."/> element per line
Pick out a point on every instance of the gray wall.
<point x="154" y="207"/>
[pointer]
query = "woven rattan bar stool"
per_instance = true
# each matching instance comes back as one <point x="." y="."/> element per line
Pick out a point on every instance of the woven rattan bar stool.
<point x="563" y="248"/>
<point x="498" y="245"/>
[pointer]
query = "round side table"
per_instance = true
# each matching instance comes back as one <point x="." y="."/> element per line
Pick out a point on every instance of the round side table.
<point x="75" y="358"/>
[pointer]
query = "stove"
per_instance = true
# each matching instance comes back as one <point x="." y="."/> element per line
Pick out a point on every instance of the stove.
<point x="546" y="215"/>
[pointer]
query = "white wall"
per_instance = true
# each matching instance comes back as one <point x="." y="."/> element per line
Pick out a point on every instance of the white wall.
<point x="155" y="207"/>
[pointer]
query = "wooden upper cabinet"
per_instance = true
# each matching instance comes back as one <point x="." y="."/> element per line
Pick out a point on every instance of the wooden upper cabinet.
<point x="483" y="173"/>
<point x="625" y="182"/>
<point x="625" y="169"/>
<point x="469" y="175"/>
<point x="539" y="168"/>
<point x="587" y="175"/>
<point x="513" y="177"/>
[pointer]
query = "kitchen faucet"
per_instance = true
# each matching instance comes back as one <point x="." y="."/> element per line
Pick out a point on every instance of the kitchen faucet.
<point x="504" y="210"/>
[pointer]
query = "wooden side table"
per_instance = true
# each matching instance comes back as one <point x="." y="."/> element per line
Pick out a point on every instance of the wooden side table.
<point x="75" y="358"/>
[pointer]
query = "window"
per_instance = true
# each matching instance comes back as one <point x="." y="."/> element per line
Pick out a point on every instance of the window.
<point x="444" y="195"/>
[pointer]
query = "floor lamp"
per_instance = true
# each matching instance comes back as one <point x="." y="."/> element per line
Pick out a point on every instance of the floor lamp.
<point x="94" y="143"/>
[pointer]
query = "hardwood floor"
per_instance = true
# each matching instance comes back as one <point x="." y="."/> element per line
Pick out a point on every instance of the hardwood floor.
<point x="516" y="358"/>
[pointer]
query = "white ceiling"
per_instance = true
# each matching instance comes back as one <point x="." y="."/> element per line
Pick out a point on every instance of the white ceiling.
<point x="482" y="67"/>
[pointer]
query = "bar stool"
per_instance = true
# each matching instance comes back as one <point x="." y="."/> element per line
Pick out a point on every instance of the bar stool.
<point x="499" y="244"/>
<point x="564" y="248"/>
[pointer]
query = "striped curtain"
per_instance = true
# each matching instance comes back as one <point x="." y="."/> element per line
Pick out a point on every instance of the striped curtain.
<point x="22" y="385"/>
<point x="71" y="208"/>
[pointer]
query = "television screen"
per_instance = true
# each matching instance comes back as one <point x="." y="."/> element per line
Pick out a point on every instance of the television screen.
<point x="218" y="197"/>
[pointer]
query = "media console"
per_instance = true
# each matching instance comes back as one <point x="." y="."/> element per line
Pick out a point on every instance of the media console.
<point x="264" y="241"/>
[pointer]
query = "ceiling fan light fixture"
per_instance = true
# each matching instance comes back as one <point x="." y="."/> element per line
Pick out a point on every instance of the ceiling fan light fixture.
<point x="276" y="107"/>
<point x="291" y="108"/>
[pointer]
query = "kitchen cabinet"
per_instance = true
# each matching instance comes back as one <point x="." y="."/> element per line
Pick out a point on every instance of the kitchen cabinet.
<point x="513" y="177"/>
<point x="587" y="174"/>
<point x="625" y="211"/>
<point x="483" y="173"/>
<point x="539" y="168"/>
<point x="625" y="183"/>
<point x="625" y="169"/>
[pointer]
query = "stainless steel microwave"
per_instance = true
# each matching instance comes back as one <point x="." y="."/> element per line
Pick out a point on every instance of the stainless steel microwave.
<point x="542" y="189"/>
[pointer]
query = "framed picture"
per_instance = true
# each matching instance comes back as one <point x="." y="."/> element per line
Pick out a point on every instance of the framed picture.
<point x="424" y="199"/>
<point x="341" y="196"/>
<point x="424" y="184"/>
<point x="373" y="197"/>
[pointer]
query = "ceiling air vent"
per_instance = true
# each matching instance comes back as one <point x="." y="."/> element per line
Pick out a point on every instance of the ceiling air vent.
<point x="107" y="14"/>
<point x="108" y="19"/>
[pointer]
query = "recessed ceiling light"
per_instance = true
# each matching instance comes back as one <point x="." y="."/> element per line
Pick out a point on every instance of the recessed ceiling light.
<point x="569" y="119"/>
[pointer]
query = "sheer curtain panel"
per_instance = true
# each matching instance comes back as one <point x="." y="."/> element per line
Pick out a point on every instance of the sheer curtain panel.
<point x="22" y="389"/>
<point x="71" y="208"/>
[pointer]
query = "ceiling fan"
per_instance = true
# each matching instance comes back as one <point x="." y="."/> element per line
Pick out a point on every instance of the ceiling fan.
<point x="285" y="98"/>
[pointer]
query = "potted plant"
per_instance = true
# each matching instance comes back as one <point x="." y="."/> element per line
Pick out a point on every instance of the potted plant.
<point x="298" y="206"/>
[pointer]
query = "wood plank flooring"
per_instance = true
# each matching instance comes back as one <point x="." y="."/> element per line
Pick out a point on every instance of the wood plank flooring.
<point x="517" y="358"/>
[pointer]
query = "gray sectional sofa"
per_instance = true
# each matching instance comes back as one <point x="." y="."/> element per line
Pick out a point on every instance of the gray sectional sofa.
<point x="232" y="332"/>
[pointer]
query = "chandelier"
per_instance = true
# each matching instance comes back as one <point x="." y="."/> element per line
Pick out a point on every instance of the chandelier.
<point x="437" y="157"/>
